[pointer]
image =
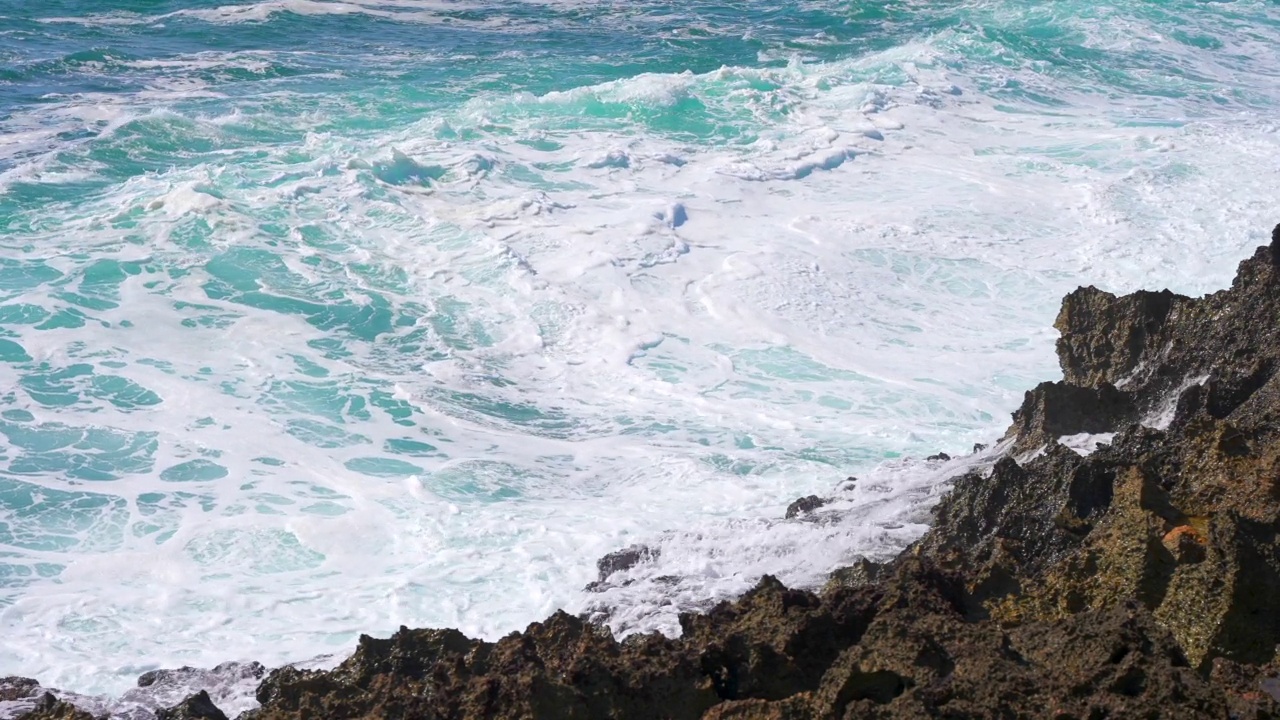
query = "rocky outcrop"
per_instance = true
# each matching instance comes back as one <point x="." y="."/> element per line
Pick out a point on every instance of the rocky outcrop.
<point x="804" y="506"/>
<point x="620" y="561"/>
<point x="18" y="688"/>
<point x="1183" y="518"/>
<point x="49" y="707"/>
<point x="197" y="707"/>
<point x="907" y="647"/>
<point x="562" y="667"/>
<point x="1137" y="579"/>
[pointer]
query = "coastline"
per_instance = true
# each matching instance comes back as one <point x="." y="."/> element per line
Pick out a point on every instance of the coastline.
<point x="1121" y="559"/>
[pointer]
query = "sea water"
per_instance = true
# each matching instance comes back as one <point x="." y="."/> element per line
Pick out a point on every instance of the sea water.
<point x="321" y="317"/>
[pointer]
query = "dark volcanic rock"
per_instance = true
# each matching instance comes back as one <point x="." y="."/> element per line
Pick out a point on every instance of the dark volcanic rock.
<point x="805" y="505"/>
<point x="560" y="668"/>
<point x="1054" y="409"/>
<point x="1106" y="339"/>
<point x="620" y="561"/>
<point x="861" y="572"/>
<point x="184" y="693"/>
<point x="17" y="688"/>
<point x="625" y="559"/>
<point x="179" y="679"/>
<point x="197" y="707"/>
<point x="48" y="707"/>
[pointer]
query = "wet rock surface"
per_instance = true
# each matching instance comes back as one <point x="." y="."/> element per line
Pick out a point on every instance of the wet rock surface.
<point x="620" y="561"/>
<point x="804" y="506"/>
<point x="49" y="707"/>
<point x="17" y="688"/>
<point x="197" y="707"/>
<point x="1141" y="580"/>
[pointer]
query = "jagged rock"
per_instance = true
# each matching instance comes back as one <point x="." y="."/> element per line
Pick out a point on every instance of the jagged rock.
<point x="625" y="559"/>
<point x="619" y="561"/>
<point x="560" y="668"/>
<point x="861" y="572"/>
<point x="196" y="707"/>
<point x="774" y="642"/>
<point x="1152" y="344"/>
<point x="186" y="677"/>
<point x="1252" y="691"/>
<point x="939" y="456"/>
<point x="1107" y="338"/>
<point x="49" y="707"/>
<point x="186" y="674"/>
<point x="17" y="688"/>
<point x="921" y="655"/>
<point x="1054" y="409"/>
<point x="805" y="505"/>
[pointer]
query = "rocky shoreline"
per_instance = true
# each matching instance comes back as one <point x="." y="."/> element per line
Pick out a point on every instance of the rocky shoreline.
<point x="1121" y="560"/>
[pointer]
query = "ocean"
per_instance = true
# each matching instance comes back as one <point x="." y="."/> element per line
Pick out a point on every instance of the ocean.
<point x="321" y="317"/>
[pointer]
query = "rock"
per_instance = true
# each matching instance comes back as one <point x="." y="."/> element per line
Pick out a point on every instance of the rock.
<point x="1106" y="338"/>
<point x="625" y="559"/>
<point x="1185" y="544"/>
<point x="939" y="456"/>
<point x="979" y="447"/>
<point x="172" y="687"/>
<point x="861" y="572"/>
<point x="17" y="688"/>
<point x="1252" y="691"/>
<point x="196" y="707"/>
<point x="1054" y="409"/>
<point x="560" y="668"/>
<point x="49" y="707"/>
<point x="222" y="674"/>
<point x="804" y="506"/>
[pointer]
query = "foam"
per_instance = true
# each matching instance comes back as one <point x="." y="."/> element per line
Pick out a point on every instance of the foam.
<point x="1085" y="443"/>
<point x="872" y="517"/>
<point x="411" y="11"/>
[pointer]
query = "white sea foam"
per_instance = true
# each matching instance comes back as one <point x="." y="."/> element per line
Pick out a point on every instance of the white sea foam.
<point x="410" y="11"/>
<point x="1086" y="443"/>
<point x="1161" y="416"/>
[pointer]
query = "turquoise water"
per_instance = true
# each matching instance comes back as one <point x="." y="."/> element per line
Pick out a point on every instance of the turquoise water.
<point x="321" y="317"/>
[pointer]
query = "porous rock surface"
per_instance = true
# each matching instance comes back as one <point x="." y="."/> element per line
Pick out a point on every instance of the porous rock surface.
<point x="1139" y="581"/>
